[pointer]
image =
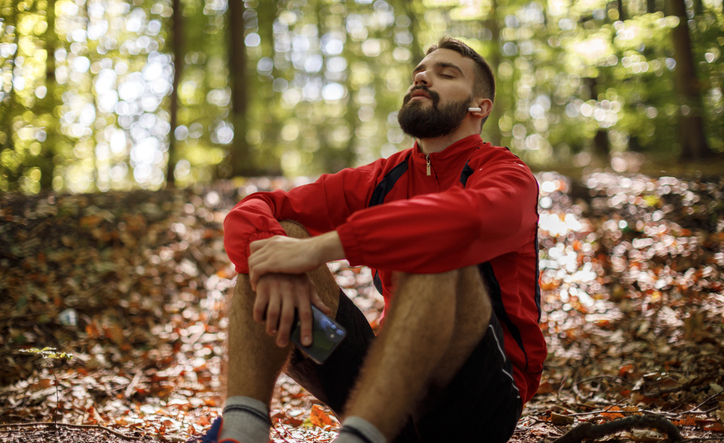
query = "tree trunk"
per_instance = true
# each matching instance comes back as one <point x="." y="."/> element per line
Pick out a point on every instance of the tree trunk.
<point x="600" y="140"/>
<point x="267" y="12"/>
<point x="178" y="63"/>
<point x="651" y="6"/>
<point x="491" y="124"/>
<point x="241" y="160"/>
<point x="418" y="52"/>
<point x="621" y="13"/>
<point x="691" y="121"/>
<point x="10" y="103"/>
<point x="50" y="102"/>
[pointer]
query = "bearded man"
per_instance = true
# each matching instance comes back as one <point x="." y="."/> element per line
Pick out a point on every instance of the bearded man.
<point x="449" y="228"/>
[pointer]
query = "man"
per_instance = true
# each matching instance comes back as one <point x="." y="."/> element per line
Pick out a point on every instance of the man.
<point x="449" y="228"/>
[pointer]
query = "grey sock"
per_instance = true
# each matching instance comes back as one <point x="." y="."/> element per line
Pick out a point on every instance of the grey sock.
<point x="359" y="430"/>
<point x="246" y="420"/>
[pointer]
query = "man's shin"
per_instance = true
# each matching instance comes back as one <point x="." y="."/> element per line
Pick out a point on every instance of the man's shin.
<point x="254" y="361"/>
<point x="401" y="362"/>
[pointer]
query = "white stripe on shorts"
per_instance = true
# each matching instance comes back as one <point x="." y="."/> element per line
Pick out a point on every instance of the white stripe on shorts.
<point x="505" y="357"/>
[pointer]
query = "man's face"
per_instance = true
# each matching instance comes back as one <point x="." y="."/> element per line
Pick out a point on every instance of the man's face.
<point x="438" y="99"/>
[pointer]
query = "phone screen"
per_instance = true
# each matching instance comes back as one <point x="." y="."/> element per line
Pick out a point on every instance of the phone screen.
<point x="327" y="334"/>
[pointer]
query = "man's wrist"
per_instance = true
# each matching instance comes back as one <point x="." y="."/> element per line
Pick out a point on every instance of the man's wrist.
<point x="329" y="247"/>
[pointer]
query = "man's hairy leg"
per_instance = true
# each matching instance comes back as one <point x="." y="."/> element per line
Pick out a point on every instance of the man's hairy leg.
<point x="434" y="323"/>
<point x="254" y="359"/>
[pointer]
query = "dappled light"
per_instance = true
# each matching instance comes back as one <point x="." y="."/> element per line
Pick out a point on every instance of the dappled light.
<point x="89" y="98"/>
<point x="130" y="128"/>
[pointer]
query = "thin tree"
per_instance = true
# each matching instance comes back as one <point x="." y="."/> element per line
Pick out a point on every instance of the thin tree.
<point x="178" y="64"/>
<point x="691" y="122"/>
<point x="601" y="146"/>
<point x="50" y="102"/>
<point x="494" y="59"/>
<point x="10" y="103"/>
<point x="241" y="162"/>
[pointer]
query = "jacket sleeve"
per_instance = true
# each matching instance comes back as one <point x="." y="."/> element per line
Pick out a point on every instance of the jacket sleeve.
<point x="320" y="207"/>
<point x="495" y="214"/>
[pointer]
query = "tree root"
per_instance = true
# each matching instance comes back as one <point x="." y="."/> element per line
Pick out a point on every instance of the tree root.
<point x="590" y="431"/>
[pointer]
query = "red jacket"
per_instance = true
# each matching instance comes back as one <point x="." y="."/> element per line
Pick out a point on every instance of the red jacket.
<point x="478" y="206"/>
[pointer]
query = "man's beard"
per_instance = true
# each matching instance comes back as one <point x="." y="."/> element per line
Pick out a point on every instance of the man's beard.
<point x="420" y="122"/>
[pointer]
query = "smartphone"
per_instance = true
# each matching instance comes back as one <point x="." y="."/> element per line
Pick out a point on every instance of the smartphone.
<point x="327" y="334"/>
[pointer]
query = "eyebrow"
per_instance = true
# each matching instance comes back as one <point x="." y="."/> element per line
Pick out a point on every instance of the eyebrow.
<point x="421" y="67"/>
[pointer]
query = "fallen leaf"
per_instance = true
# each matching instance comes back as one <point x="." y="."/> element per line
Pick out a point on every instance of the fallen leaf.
<point x="320" y="418"/>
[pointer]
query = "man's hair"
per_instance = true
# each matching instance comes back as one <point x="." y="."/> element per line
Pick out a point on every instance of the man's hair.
<point x="484" y="84"/>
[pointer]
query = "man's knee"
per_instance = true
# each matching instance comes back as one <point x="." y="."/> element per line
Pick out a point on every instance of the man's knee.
<point x="243" y="295"/>
<point x="466" y="283"/>
<point x="425" y="280"/>
<point x="294" y="229"/>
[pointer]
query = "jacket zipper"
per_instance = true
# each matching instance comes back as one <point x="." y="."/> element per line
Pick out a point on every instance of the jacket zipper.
<point x="427" y="157"/>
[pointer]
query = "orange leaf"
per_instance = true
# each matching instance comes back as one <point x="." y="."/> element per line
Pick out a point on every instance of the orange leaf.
<point x="688" y="421"/>
<point x="625" y="370"/>
<point x="42" y="384"/>
<point x="611" y="413"/>
<point x="545" y="388"/>
<point x="716" y="427"/>
<point x="320" y="418"/>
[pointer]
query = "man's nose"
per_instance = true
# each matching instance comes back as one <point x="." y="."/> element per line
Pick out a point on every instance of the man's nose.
<point x="421" y="79"/>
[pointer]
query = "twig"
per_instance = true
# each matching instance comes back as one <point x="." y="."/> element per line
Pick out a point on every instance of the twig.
<point x="600" y="377"/>
<point x="67" y="425"/>
<point x="606" y="411"/>
<point x="133" y="383"/>
<point x="560" y="388"/>
<point x="702" y="439"/>
<point x="589" y="431"/>
<point x="685" y="386"/>
<point x="279" y="434"/>
<point x="711" y="397"/>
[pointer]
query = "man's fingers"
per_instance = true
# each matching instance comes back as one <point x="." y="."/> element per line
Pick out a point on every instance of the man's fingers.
<point x="261" y="264"/>
<point x="306" y="323"/>
<point x="256" y="245"/>
<point x="260" y="304"/>
<point x="317" y="301"/>
<point x="253" y="278"/>
<point x="286" y="320"/>
<point x="272" y="314"/>
<point x="257" y="270"/>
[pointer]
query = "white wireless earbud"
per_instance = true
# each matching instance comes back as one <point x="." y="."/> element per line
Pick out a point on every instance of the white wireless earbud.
<point x="474" y="109"/>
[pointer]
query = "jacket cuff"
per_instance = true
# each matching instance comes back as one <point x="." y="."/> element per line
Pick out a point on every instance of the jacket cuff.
<point x="352" y="248"/>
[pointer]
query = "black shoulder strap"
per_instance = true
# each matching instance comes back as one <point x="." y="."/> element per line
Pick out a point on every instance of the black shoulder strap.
<point x="388" y="182"/>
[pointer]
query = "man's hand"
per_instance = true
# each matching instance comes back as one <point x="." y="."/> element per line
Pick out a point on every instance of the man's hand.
<point x="286" y="255"/>
<point x="278" y="296"/>
<point x="280" y="254"/>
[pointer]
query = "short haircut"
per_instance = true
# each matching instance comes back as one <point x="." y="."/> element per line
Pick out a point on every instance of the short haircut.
<point x="484" y="84"/>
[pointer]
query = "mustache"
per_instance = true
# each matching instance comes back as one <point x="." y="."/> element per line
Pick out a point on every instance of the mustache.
<point x="433" y="95"/>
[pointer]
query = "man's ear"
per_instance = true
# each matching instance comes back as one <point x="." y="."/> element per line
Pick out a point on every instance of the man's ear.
<point x="485" y="105"/>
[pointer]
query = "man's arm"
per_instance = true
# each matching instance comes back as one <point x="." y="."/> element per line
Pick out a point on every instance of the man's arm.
<point x="493" y="215"/>
<point x="320" y="207"/>
<point x="281" y="288"/>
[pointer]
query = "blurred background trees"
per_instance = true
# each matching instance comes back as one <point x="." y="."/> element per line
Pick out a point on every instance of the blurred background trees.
<point x="117" y="94"/>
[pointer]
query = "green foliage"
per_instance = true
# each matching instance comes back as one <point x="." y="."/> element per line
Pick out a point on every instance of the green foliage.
<point x="86" y="85"/>
<point x="47" y="353"/>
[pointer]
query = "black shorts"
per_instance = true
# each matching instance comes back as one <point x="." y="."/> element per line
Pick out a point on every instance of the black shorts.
<point x="481" y="403"/>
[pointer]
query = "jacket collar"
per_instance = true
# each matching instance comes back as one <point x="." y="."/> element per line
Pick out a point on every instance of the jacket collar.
<point x="461" y="148"/>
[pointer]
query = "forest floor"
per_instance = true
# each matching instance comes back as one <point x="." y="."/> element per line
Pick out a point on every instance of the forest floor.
<point x="133" y="285"/>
